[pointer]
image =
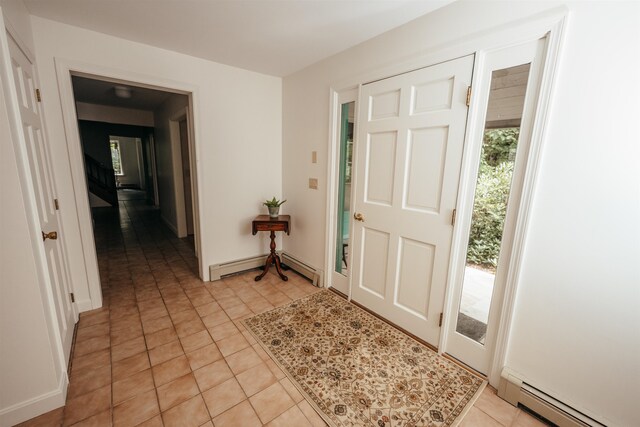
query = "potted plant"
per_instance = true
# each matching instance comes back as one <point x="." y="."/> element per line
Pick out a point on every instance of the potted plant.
<point x="274" y="206"/>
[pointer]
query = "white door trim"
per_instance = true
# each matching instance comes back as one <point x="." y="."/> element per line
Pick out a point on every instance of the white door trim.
<point x="336" y="99"/>
<point x="64" y="70"/>
<point x="539" y="116"/>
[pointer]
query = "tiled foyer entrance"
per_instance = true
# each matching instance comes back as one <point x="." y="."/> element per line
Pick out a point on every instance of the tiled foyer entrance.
<point x="168" y="349"/>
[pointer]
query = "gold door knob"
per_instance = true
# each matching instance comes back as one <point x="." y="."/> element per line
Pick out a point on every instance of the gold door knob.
<point x="53" y="235"/>
<point x="358" y="217"/>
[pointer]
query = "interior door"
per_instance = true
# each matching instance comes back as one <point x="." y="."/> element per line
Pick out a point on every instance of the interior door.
<point x="40" y="168"/>
<point x="408" y="156"/>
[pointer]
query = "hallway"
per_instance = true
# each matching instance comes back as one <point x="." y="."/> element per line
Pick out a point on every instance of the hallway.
<point x="167" y="347"/>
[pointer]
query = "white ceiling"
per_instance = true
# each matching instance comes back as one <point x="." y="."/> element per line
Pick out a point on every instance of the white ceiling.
<point x="102" y="92"/>
<point x="276" y="37"/>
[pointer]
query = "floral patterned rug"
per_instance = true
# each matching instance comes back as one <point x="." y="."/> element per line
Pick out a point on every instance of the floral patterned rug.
<point x="357" y="370"/>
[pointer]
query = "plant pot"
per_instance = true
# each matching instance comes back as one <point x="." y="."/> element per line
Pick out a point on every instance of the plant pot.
<point x="274" y="211"/>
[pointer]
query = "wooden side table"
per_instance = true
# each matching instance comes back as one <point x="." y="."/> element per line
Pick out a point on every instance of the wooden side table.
<point x="266" y="223"/>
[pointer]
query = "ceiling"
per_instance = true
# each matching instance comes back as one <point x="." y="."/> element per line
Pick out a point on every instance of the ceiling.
<point x="102" y="92"/>
<point x="276" y="37"/>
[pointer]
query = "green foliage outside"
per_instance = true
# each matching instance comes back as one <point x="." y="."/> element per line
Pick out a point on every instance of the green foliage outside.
<point x="492" y="193"/>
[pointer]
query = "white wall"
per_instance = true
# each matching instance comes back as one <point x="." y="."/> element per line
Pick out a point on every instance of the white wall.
<point x="110" y="114"/>
<point x="575" y="330"/>
<point x="238" y="119"/>
<point x="168" y="158"/>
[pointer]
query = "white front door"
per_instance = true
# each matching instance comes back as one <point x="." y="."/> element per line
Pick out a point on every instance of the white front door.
<point x="409" y="148"/>
<point x="40" y="169"/>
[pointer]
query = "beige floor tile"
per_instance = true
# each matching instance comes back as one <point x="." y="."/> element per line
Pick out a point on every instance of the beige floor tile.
<point x="88" y="380"/>
<point x="243" y="360"/>
<point x="87" y="405"/>
<point x="232" y="344"/>
<point x="48" y="419"/>
<point x="215" y="319"/>
<point x="152" y="422"/>
<point x="209" y="308"/>
<point x="92" y="360"/>
<point x="213" y="374"/>
<point x="500" y="410"/>
<point x="196" y="341"/>
<point x="204" y="356"/>
<point x="103" y="419"/>
<point x="271" y="402"/>
<point x="185" y="316"/>
<point x="293" y="417"/>
<point x="161" y="337"/>
<point x="170" y="370"/>
<point x="130" y="366"/>
<point x="238" y="311"/>
<point x="292" y="390"/>
<point x="132" y="386"/>
<point x="311" y="414"/>
<point x="476" y="418"/>
<point x="92" y="331"/>
<point x="256" y="379"/>
<point x="223" y="396"/>
<point x="189" y="328"/>
<point x="136" y="410"/>
<point x="165" y="352"/>
<point x="240" y="415"/>
<point x="177" y="391"/>
<point x="91" y="345"/>
<point x="191" y="413"/>
<point x="122" y="335"/>
<point x="223" y="330"/>
<point x="153" y="325"/>
<point x="275" y="370"/>
<point x="128" y="349"/>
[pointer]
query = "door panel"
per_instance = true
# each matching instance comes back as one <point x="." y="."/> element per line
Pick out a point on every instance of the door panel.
<point x="40" y="169"/>
<point x="408" y="157"/>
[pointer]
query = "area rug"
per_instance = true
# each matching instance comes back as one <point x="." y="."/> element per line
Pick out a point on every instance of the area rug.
<point x="357" y="370"/>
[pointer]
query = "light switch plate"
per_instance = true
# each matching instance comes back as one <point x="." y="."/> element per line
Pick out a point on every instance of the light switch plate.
<point x="313" y="183"/>
<point x="314" y="157"/>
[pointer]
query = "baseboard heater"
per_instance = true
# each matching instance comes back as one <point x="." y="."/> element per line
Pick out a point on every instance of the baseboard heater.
<point x="218" y="271"/>
<point x="311" y="273"/>
<point x="515" y="391"/>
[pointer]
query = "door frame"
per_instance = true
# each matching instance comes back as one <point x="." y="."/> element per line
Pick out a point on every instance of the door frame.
<point x="333" y="180"/>
<point x="487" y="62"/>
<point x="65" y="68"/>
<point x="552" y="24"/>
<point x="174" y="126"/>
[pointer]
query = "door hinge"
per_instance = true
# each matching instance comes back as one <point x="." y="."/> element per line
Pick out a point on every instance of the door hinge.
<point x="440" y="321"/>
<point x="453" y="217"/>
<point x="73" y="298"/>
<point x="468" y="96"/>
<point x="38" y="97"/>
<point x="56" y="204"/>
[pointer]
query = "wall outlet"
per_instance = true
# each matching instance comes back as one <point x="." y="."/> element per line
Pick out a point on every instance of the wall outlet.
<point x="313" y="183"/>
<point x="314" y="157"/>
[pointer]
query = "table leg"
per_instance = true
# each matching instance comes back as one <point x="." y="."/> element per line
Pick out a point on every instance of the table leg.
<point x="273" y="258"/>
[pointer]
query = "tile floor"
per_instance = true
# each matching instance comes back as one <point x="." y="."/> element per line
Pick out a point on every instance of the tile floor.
<point x="168" y="349"/>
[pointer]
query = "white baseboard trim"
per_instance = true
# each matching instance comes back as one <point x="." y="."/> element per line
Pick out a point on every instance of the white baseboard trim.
<point x="35" y="406"/>
<point x="308" y="271"/>
<point x="84" y="305"/>
<point x="515" y="391"/>
<point x="218" y="271"/>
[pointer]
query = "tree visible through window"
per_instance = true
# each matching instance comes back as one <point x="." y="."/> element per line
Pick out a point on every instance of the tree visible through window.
<point x="116" y="159"/>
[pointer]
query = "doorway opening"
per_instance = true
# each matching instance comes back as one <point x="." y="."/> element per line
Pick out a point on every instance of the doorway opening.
<point x="138" y="150"/>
